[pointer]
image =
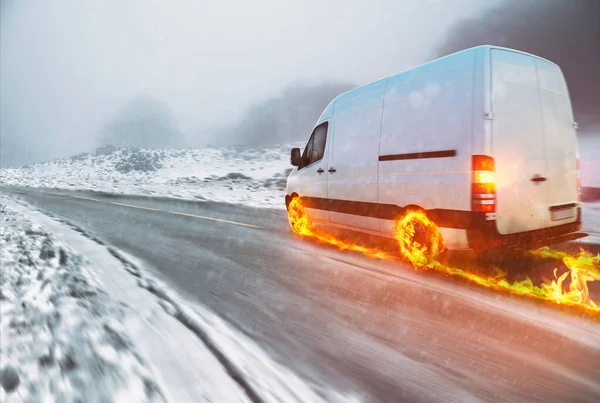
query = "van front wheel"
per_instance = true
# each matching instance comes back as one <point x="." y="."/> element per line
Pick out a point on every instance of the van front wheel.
<point x="419" y="238"/>
<point x="299" y="221"/>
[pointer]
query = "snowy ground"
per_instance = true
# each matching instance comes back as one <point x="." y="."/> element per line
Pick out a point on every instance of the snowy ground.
<point x="62" y="336"/>
<point x="92" y="326"/>
<point x="255" y="176"/>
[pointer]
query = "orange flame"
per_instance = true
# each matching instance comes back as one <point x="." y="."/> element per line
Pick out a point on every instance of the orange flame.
<point x="583" y="268"/>
<point x="420" y="242"/>
<point x="302" y="225"/>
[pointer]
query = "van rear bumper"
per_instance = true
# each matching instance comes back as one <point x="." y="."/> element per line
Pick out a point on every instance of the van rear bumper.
<point x="483" y="234"/>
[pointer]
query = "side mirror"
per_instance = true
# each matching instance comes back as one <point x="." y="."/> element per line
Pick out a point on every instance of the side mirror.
<point x="296" y="158"/>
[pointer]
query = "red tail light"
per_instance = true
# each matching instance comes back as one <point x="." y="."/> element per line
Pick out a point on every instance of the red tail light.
<point x="578" y="182"/>
<point x="483" y="189"/>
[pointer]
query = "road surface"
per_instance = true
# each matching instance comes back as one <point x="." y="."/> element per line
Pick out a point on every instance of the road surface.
<point x="375" y="329"/>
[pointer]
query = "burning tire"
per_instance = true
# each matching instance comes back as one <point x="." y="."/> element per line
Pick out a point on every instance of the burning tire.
<point x="299" y="221"/>
<point x="419" y="238"/>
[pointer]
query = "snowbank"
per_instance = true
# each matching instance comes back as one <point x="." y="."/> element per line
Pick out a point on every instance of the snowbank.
<point x="254" y="176"/>
<point x="61" y="335"/>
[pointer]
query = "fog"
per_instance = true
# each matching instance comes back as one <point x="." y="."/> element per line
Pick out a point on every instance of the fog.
<point x="67" y="68"/>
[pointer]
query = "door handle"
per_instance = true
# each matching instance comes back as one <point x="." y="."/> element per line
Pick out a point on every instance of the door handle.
<point x="537" y="178"/>
<point x="320" y="171"/>
<point x="332" y="170"/>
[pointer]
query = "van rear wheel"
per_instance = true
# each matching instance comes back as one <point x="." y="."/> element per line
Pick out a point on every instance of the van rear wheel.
<point x="419" y="238"/>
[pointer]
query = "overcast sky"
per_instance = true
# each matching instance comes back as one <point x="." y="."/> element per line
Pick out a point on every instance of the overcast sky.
<point x="67" y="66"/>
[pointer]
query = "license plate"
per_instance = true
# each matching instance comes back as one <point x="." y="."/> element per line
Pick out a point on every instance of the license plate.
<point x="562" y="214"/>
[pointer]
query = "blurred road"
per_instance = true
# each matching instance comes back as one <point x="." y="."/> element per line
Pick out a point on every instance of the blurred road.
<point x="377" y="329"/>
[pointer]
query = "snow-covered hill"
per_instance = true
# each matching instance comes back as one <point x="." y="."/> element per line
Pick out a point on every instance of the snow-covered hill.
<point x="250" y="175"/>
<point x="253" y="176"/>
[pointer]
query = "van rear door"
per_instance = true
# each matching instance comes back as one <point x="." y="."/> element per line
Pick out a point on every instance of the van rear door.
<point x="519" y="146"/>
<point x="533" y="143"/>
<point x="561" y="144"/>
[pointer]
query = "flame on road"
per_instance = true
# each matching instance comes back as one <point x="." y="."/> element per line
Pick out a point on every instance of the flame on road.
<point x="420" y="243"/>
<point x="583" y="268"/>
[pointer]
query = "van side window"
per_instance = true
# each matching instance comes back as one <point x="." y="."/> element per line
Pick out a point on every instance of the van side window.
<point x="315" y="148"/>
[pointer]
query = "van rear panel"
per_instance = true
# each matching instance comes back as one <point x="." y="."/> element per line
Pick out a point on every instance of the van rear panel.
<point x="533" y="143"/>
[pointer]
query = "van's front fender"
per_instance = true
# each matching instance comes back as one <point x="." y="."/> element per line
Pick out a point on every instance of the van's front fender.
<point x="292" y="187"/>
<point x="293" y="183"/>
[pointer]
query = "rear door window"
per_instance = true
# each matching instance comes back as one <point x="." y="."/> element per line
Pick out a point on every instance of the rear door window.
<point x="315" y="148"/>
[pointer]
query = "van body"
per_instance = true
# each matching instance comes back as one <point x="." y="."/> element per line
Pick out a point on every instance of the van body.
<point x="483" y="141"/>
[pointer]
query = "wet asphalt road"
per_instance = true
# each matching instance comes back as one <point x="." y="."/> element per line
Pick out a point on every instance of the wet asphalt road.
<point x="375" y="329"/>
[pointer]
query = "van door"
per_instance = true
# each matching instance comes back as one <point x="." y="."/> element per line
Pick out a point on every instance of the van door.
<point x="353" y="168"/>
<point x="518" y="143"/>
<point x="312" y="173"/>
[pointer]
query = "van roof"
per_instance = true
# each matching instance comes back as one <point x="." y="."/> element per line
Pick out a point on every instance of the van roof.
<point x="513" y="50"/>
<point x="473" y="49"/>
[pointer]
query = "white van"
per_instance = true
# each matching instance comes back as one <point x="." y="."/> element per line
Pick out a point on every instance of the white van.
<point x="483" y="141"/>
